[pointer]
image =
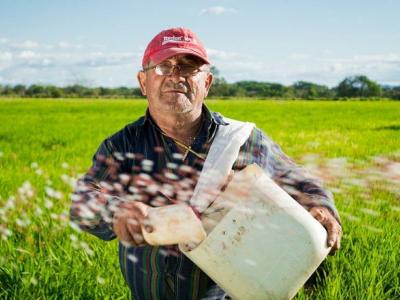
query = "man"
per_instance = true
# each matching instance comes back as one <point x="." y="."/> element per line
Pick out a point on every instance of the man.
<point x="157" y="160"/>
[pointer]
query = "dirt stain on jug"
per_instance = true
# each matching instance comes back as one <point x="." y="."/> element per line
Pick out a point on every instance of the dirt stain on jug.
<point x="238" y="236"/>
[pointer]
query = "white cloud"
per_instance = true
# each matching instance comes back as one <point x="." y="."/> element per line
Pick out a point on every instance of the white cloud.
<point x="65" y="63"/>
<point x="66" y="45"/>
<point x="28" y="44"/>
<point x="46" y="62"/>
<point x="322" y="69"/>
<point x="6" y="56"/>
<point x="298" y="56"/>
<point x="20" y="45"/>
<point x="217" y="10"/>
<point x="27" y="54"/>
<point x="34" y="45"/>
<point x="383" y="68"/>
<point x="99" y="59"/>
<point x="377" y="66"/>
<point x="223" y="55"/>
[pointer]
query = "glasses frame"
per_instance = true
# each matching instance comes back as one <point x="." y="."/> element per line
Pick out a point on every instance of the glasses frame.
<point x="174" y="67"/>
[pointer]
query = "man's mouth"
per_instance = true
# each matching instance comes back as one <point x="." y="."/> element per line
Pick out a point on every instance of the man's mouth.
<point x="175" y="91"/>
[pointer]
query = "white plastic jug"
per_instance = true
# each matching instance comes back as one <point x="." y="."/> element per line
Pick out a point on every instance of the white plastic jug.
<point x="173" y="224"/>
<point x="261" y="243"/>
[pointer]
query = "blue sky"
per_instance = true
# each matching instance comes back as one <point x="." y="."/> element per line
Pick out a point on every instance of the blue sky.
<point x="101" y="42"/>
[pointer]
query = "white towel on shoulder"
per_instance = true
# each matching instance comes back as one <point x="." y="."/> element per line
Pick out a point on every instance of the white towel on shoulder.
<point x="222" y="155"/>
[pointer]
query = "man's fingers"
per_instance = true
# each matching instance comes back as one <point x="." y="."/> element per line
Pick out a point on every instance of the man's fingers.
<point x="136" y="207"/>
<point x="128" y="220"/>
<point x="334" y="236"/>
<point x="132" y="225"/>
<point x="135" y="231"/>
<point x="141" y="208"/>
<point x="333" y="232"/>
<point x="139" y="239"/>
<point x="125" y="236"/>
<point x="135" y="235"/>
<point x="318" y="214"/>
<point x="333" y="228"/>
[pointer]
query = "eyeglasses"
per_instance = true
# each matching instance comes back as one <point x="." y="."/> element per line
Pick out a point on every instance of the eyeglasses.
<point x="167" y="69"/>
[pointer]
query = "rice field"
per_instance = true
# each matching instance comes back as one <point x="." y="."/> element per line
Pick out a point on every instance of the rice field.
<point x="46" y="144"/>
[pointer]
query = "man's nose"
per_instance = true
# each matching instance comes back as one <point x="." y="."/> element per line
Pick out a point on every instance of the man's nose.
<point x="176" y="75"/>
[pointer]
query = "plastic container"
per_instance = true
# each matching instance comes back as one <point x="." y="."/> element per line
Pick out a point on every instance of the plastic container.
<point x="173" y="224"/>
<point x="261" y="244"/>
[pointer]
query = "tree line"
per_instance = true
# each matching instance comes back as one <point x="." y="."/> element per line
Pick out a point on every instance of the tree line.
<point x="358" y="86"/>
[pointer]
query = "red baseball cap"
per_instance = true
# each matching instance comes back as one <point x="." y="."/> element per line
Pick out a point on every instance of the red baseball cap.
<point x="171" y="42"/>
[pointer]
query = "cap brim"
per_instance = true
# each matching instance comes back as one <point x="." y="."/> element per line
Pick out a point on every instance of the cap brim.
<point x="162" y="55"/>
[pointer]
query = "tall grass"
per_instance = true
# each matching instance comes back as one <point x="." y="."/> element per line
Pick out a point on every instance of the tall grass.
<point x="47" y="143"/>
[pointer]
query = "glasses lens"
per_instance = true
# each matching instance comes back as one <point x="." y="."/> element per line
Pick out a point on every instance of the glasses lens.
<point x="186" y="70"/>
<point x="164" y="69"/>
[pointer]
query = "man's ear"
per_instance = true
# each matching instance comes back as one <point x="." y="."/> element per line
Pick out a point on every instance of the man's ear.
<point x="141" y="77"/>
<point x="208" y="82"/>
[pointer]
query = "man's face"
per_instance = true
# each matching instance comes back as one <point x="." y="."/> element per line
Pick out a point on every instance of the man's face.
<point x="176" y="93"/>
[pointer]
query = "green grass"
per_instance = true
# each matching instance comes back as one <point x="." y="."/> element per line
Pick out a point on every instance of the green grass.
<point x="39" y="260"/>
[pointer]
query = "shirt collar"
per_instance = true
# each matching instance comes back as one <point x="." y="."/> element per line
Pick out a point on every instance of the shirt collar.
<point x="214" y="117"/>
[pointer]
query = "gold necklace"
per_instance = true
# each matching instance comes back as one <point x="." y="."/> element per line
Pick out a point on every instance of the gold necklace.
<point x="187" y="148"/>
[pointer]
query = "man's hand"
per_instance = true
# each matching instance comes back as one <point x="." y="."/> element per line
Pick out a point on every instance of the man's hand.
<point x="324" y="216"/>
<point x="127" y="223"/>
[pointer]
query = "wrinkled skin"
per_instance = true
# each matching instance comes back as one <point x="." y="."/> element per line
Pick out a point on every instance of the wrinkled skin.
<point x="128" y="221"/>
<point x="332" y="226"/>
<point x="175" y="94"/>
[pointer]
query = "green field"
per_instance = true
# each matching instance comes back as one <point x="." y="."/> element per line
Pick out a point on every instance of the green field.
<point x="44" y="144"/>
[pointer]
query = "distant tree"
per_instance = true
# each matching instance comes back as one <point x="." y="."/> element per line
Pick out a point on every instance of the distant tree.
<point x="104" y="92"/>
<point x="309" y="90"/>
<point x="137" y="92"/>
<point x="126" y="92"/>
<point x="215" y="71"/>
<point x="54" y="92"/>
<point x="35" y="91"/>
<point x="358" y="86"/>
<point x="219" y="88"/>
<point x="76" y="90"/>
<point x="19" y="90"/>
<point x="6" y="90"/>
<point x="121" y="91"/>
<point x="261" y="89"/>
<point x="391" y="92"/>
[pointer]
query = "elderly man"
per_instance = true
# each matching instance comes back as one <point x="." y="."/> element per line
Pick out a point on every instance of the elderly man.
<point x="147" y="161"/>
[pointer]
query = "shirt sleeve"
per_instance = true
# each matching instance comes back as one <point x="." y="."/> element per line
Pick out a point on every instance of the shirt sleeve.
<point x="93" y="202"/>
<point x="300" y="185"/>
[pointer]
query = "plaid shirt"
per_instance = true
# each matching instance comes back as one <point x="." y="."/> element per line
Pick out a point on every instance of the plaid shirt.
<point x="139" y="157"/>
